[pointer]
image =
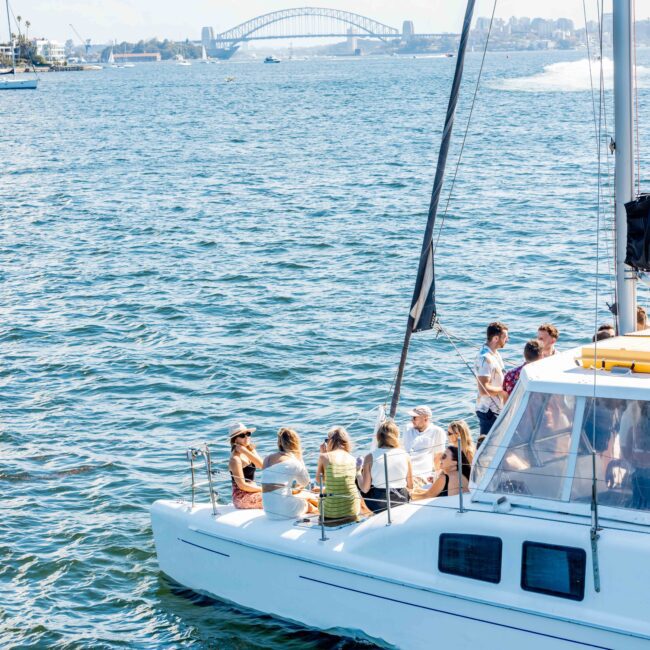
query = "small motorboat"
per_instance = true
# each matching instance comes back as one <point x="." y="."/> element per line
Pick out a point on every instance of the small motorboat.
<point x="271" y="59"/>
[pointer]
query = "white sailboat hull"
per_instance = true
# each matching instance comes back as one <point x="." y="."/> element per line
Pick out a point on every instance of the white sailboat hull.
<point x="18" y="84"/>
<point x="381" y="583"/>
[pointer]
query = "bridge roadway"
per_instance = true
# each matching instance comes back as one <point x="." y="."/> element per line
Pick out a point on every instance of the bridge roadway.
<point x="226" y="41"/>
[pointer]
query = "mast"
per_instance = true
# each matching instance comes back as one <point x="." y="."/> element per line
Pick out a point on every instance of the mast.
<point x="423" y="310"/>
<point x="11" y="41"/>
<point x="624" y="161"/>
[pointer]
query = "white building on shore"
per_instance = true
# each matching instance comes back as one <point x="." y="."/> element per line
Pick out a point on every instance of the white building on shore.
<point x="51" y="51"/>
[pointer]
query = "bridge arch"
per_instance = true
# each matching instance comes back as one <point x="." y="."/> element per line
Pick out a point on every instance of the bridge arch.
<point x="244" y="31"/>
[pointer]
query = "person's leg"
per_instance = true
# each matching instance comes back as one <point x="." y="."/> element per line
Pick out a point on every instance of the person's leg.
<point x="485" y="420"/>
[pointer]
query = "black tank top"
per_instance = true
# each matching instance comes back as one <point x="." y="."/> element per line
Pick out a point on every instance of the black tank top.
<point x="249" y="473"/>
<point x="445" y="490"/>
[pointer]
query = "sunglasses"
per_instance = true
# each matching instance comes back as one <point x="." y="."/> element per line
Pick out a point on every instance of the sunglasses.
<point x="244" y="435"/>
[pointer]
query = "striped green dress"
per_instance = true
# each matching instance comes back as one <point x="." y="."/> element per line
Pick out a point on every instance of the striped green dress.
<point x="342" y="500"/>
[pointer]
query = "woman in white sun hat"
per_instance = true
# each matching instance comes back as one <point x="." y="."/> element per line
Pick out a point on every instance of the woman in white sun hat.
<point x="244" y="460"/>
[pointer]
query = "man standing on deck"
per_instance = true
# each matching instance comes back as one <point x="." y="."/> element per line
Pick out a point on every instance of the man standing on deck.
<point x="424" y="442"/>
<point x="489" y="368"/>
<point x="548" y="335"/>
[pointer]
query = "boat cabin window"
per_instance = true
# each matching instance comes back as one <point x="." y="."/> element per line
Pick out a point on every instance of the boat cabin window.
<point x="553" y="570"/>
<point x="618" y="431"/>
<point x="490" y="447"/>
<point x="471" y="556"/>
<point x="536" y="460"/>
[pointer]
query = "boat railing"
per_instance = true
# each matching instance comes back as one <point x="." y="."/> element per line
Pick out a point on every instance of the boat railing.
<point x="193" y="453"/>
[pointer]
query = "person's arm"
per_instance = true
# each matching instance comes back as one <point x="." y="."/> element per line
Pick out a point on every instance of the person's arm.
<point x="320" y="470"/>
<point x="409" y="474"/>
<point x="237" y="472"/>
<point x="437" y="487"/>
<point x="366" y="476"/>
<point x="489" y="389"/>
<point x="251" y="453"/>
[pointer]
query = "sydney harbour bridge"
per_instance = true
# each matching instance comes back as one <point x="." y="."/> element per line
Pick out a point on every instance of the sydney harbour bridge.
<point x="304" y="22"/>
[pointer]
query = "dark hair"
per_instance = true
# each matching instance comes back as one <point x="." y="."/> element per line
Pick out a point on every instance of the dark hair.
<point x="532" y="350"/>
<point x="606" y="326"/>
<point x="496" y="329"/>
<point x="466" y="466"/>
<point x="480" y="440"/>
<point x="551" y="330"/>
<point x="603" y="334"/>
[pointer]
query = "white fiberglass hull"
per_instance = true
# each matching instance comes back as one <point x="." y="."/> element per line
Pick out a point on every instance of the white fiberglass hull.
<point x="345" y="587"/>
<point x="18" y="84"/>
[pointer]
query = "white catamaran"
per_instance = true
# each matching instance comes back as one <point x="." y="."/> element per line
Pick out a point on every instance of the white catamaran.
<point x="550" y="549"/>
<point x="13" y="82"/>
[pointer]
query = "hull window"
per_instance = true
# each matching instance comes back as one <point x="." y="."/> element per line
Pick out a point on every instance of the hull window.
<point x="553" y="570"/>
<point x="470" y="556"/>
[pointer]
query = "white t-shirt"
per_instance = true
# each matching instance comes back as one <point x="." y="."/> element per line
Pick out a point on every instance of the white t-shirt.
<point x="489" y="364"/>
<point x="397" y="468"/>
<point x="422" y="446"/>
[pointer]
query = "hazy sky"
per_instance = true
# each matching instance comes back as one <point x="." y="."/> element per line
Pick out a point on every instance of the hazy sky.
<point x="104" y="20"/>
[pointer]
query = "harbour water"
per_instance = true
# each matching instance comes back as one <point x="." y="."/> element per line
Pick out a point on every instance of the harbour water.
<point x="178" y="253"/>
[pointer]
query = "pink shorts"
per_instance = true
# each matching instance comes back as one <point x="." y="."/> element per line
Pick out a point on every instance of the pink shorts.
<point x="246" y="500"/>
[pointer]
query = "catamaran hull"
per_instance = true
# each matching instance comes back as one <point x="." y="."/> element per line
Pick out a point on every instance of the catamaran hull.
<point x="18" y="84"/>
<point x="306" y="586"/>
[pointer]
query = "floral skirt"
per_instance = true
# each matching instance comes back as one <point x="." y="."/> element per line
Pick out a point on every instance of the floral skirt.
<point x="246" y="500"/>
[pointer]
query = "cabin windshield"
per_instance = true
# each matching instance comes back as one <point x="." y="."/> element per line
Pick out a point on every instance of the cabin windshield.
<point x="535" y="461"/>
<point x="618" y="431"/>
<point x="561" y="443"/>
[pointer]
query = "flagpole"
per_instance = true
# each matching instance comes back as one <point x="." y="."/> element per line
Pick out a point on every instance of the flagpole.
<point x="423" y="309"/>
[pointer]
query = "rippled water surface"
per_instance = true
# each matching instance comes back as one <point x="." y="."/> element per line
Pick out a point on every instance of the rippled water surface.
<point x="177" y="252"/>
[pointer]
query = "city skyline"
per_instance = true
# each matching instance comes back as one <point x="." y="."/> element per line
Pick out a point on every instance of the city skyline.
<point x="130" y="20"/>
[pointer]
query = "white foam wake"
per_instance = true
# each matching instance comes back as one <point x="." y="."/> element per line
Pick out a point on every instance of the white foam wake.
<point x="569" y="76"/>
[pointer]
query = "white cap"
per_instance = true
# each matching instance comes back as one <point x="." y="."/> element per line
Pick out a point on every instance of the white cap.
<point x="421" y="410"/>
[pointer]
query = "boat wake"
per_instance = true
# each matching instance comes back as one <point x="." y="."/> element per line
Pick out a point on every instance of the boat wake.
<point x="569" y="76"/>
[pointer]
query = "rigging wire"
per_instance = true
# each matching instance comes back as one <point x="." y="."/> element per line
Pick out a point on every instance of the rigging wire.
<point x="469" y="120"/>
<point x="636" y="104"/>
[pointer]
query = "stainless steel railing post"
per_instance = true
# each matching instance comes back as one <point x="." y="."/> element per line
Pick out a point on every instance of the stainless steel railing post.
<point x="208" y="467"/>
<point x="460" y="475"/>
<point x="388" y="520"/>
<point x="190" y="455"/>
<point x="321" y="510"/>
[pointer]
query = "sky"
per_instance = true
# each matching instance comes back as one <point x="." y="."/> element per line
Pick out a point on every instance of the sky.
<point x="132" y="20"/>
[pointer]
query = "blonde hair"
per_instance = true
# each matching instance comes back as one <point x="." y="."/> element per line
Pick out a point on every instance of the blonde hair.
<point x="338" y="438"/>
<point x="289" y="442"/>
<point x="460" y="428"/>
<point x="388" y="434"/>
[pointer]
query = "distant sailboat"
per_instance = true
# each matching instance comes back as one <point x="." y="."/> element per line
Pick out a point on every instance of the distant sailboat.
<point x="111" y="59"/>
<point x="29" y="83"/>
<point x="125" y="60"/>
<point x="204" y="55"/>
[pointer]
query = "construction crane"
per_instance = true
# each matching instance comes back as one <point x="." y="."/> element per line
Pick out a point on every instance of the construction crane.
<point x="85" y="41"/>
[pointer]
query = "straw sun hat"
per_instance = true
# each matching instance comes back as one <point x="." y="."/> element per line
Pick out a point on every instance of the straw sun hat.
<point x="238" y="428"/>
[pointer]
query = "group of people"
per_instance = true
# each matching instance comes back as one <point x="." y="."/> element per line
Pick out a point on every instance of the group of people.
<point x="495" y="384"/>
<point x="422" y="464"/>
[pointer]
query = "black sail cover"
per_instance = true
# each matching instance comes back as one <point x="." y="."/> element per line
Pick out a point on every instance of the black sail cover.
<point x="638" y="233"/>
<point x="423" y="303"/>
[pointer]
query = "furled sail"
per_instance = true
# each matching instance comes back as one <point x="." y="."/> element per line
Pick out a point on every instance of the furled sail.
<point x="422" y="315"/>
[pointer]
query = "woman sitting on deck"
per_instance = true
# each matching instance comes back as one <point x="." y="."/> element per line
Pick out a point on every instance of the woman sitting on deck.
<point x="400" y="472"/>
<point x="284" y="477"/>
<point x="244" y="459"/>
<point x="459" y="429"/>
<point x="338" y="469"/>
<point x="446" y="485"/>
